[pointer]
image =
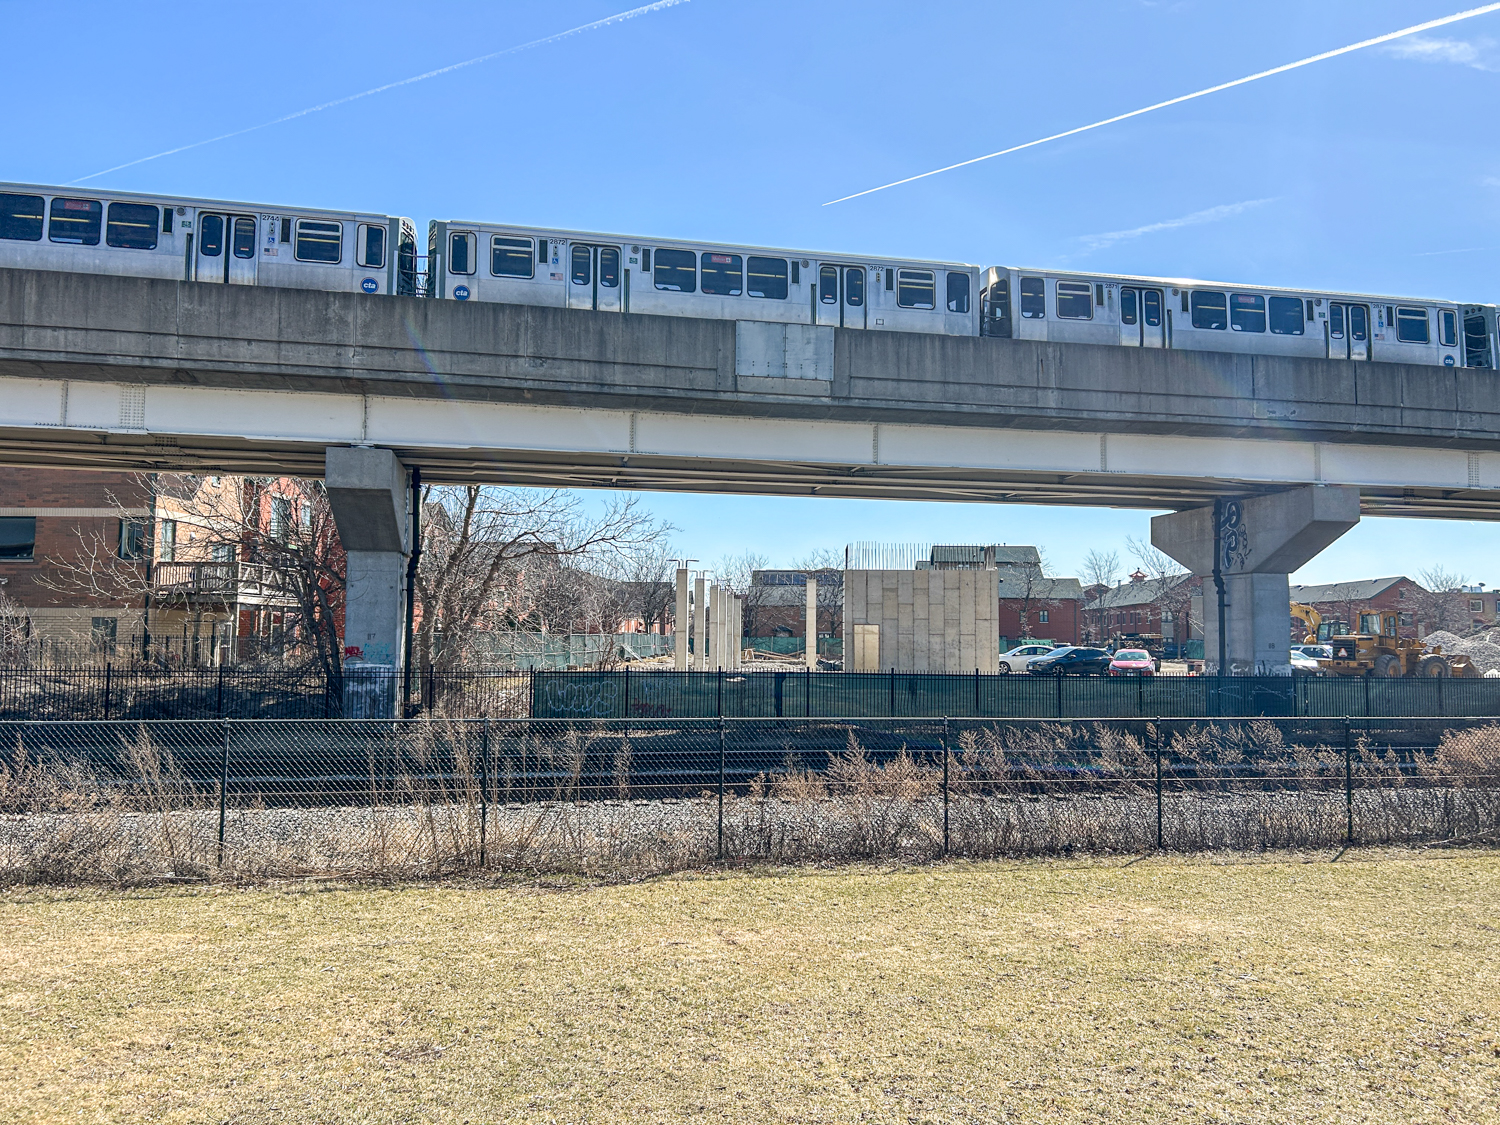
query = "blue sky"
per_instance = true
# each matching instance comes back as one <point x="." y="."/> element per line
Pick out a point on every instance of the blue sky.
<point x="1376" y="171"/>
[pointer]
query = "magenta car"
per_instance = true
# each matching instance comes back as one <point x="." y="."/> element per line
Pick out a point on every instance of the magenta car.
<point x="1132" y="662"/>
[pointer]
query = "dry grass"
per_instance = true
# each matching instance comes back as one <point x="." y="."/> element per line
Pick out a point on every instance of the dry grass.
<point x="1161" y="990"/>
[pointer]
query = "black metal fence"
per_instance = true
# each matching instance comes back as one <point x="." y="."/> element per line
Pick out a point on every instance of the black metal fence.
<point x="252" y="693"/>
<point x="627" y="694"/>
<point x="246" y="693"/>
<point x="121" y="801"/>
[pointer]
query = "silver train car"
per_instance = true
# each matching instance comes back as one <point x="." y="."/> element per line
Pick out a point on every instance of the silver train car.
<point x="125" y="233"/>
<point x="615" y="273"/>
<point x="1190" y="315"/>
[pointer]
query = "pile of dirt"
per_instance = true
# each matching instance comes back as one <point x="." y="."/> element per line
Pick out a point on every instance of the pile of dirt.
<point x="1480" y="648"/>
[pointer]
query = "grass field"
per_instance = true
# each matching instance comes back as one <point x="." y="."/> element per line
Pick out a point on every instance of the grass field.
<point x="1065" y="991"/>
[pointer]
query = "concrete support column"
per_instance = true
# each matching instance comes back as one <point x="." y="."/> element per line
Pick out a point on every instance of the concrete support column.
<point x="368" y="495"/>
<point x="700" y="626"/>
<point x="810" y="629"/>
<point x="681" y="624"/>
<point x="1250" y="546"/>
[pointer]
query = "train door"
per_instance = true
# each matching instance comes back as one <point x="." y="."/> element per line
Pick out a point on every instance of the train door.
<point x="841" y="300"/>
<point x="1142" y="319"/>
<point x="226" y="248"/>
<point x="1348" y="331"/>
<point x="593" y="277"/>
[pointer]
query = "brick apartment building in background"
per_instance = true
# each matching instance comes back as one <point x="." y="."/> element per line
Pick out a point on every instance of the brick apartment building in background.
<point x="1340" y="603"/>
<point x="94" y="564"/>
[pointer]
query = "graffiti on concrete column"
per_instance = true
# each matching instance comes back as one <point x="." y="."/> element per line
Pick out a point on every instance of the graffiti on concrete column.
<point x="1234" y="535"/>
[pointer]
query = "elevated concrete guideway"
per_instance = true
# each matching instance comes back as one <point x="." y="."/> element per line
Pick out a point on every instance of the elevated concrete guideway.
<point x="131" y="373"/>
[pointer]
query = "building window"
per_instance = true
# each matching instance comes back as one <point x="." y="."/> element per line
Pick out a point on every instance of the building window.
<point x="17" y="538"/>
<point x="1405" y="619"/>
<point x="1476" y="605"/>
<point x="222" y="552"/>
<point x="132" y="540"/>
<point x="168" y="540"/>
<point x="1042" y="616"/>
<point x="104" y="633"/>
<point x="281" y="517"/>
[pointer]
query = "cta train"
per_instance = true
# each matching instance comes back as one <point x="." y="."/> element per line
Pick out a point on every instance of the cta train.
<point x="131" y="234"/>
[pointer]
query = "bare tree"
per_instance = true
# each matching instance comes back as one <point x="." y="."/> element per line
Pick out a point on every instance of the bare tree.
<point x="496" y="556"/>
<point x="1031" y="584"/>
<point x="1171" y="591"/>
<point x="1100" y="568"/>
<point x="18" y="641"/>
<point x="827" y="566"/>
<point x="1440" y="601"/>
<point x="736" y="573"/>
<point x="647" y="593"/>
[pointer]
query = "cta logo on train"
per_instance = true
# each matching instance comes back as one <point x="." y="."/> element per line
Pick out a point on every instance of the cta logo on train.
<point x="135" y="235"/>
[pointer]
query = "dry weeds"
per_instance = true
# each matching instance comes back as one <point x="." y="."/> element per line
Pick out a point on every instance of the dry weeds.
<point x="1163" y="990"/>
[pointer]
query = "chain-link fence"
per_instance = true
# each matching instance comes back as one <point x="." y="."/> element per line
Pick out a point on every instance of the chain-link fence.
<point x="130" y="801"/>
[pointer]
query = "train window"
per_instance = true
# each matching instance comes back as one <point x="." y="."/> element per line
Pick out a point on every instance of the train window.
<point x="1209" y="310"/>
<point x="211" y="235"/>
<point x="1411" y="326"/>
<point x="1335" y="322"/>
<point x="1359" y="322"/>
<point x="609" y="267"/>
<point x="1390" y="314"/>
<point x="76" y="221"/>
<point x="1476" y="342"/>
<point x="166" y="220"/>
<point x="319" y="241"/>
<point x="645" y="261"/>
<point x="1128" y="313"/>
<point x="372" y="246"/>
<point x="768" y="278"/>
<point x="1075" y="300"/>
<point x="460" y="259"/>
<point x="676" y="270"/>
<point x="511" y="257"/>
<point x="1448" y="328"/>
<point x="581" y="265"/>
<point x="916" y="289"/>
<point x="796" y="273"/>
<point x="828" y="285"/>
<point x="1033" y="298"/>
<point x="723" y="274"/>
<point x="132" y="226"/>
<point x="21" y="217"/>
<point x="244" y="237"/>
<point x="1151" y="306"/>
<point x="958" y="292"/>
<point x="1247" y="312"/>
<point x="541" y="253"/>
<point x="1286" y="316"/>
<point x="890" y="281"/>
<point x="854" y="286"/>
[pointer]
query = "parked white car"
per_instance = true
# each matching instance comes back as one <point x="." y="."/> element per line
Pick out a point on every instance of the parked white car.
<point x="1019" y="657"/>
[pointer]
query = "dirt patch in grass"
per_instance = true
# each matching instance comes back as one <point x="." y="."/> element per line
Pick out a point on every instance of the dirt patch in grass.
<point x="1158" y="990"/>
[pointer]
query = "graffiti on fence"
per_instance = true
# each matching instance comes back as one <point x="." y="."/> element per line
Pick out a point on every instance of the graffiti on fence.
<point x="583" y="699"/>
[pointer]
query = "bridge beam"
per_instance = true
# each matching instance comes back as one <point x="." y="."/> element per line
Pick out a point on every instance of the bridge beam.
<point x="1248" y="548"/>
<point x="367" y="491"/>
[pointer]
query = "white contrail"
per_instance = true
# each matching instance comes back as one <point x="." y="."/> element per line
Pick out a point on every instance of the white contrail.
<point x="1092" y="242"/>
<point x="620" y="17"/>
<point x="1379" y="39"/>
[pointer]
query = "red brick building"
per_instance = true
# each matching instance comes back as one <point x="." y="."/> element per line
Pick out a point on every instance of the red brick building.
<point x="1341" y="603"/>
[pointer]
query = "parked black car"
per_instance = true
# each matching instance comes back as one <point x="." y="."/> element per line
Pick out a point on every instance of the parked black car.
<point x="1072" y="660"/>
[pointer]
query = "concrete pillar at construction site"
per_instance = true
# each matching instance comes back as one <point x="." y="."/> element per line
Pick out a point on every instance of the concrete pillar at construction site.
<point x="1244" y="549"/>
<point x="700" y="626"/>
<point x="716" y="622"/>
<point x="810" y="628"/>
<point x="367" y="492"/>
<point x="739" y="631"/>
<point x="681" y="626"/>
